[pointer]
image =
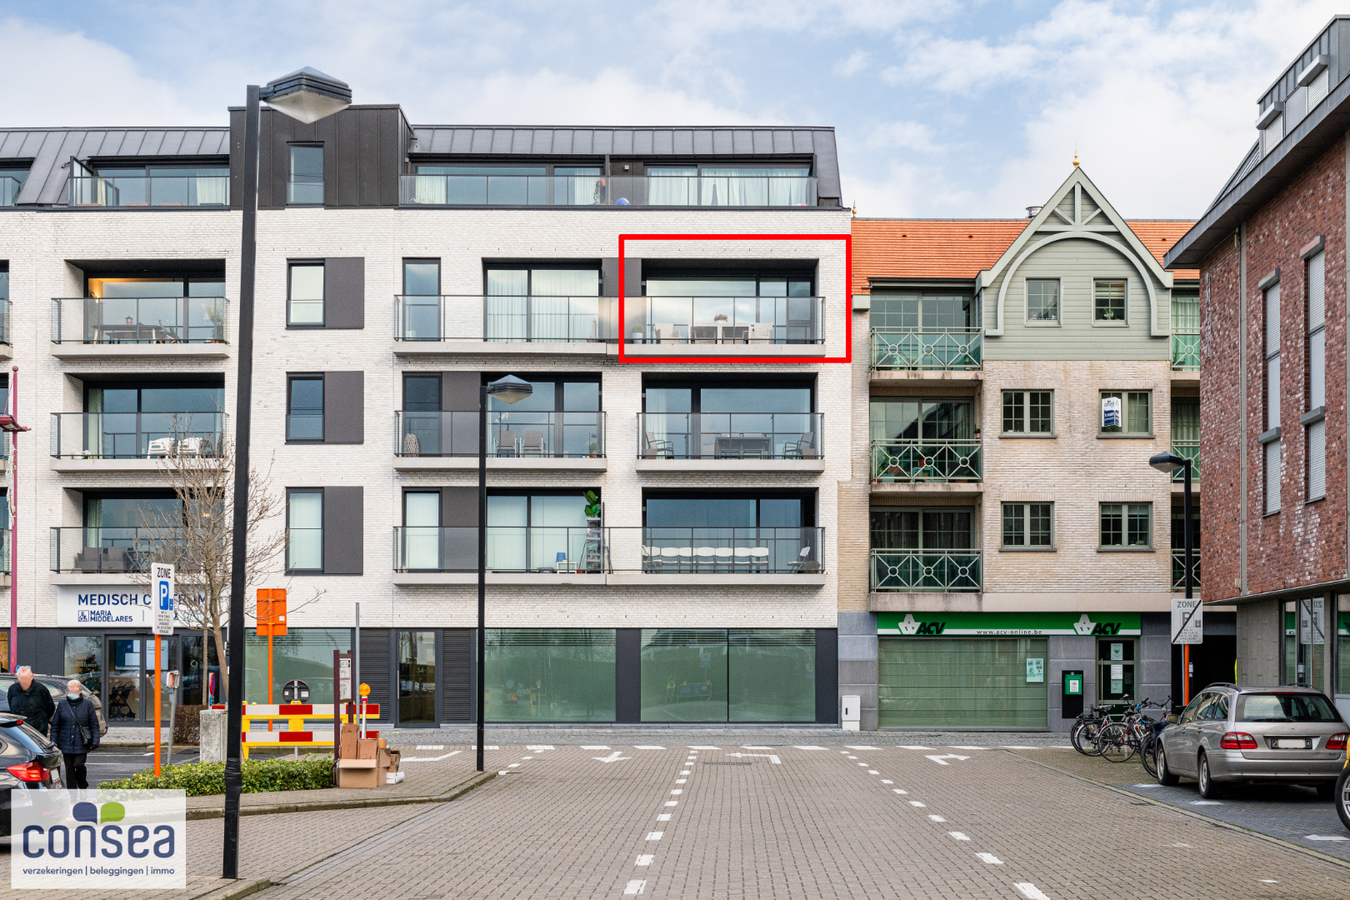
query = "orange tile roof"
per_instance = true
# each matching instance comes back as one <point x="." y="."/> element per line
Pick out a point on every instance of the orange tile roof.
<point x="959" y="249"/>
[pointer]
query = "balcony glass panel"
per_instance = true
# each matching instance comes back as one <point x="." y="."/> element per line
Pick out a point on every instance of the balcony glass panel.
<point x="513" y="434"/>
<point x="1186" y="332"/>
<point x="143" y="311"/>
<point x="154" y="186"/>
<point x="136" y="435"/>
<point x="583" y="186"/>
<point x="725" y="319"/>
<point x="728" y="435"/>
<point x="11" y="182"/>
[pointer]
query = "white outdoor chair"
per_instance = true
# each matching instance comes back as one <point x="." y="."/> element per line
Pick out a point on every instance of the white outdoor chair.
<point x="741" y="560"/>
<point x="759" y="559"/>
<point x="723" y="559"/>
<point x="190" y="446"/>
<point x="532" y="443"/>
<point x="761" y="332"/>
<point x="664" y="332"/>
<point x="796" y="565"/>
<point x="686" y="558"/>
<point x="161" y="448"/>
<point x="705" y="559"/>
<point x="670" y="558"/>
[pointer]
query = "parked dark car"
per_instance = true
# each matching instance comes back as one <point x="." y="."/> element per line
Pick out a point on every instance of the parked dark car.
<point x="56" y="684"/>
<point x="27" y="763"/>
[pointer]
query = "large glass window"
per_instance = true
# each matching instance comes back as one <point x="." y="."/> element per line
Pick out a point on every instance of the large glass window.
<point x="550" y="675"/>
<point x="1272" y="454"/>
<point x="542" y="304"/>
<point x="304" y="537"/>
<point x="11" y="182"/>
<point x="728" y="185"/>
<point x="152" y="309"/>
<point x="122" y="421"/>
<point x="306" y="176"/>
<point x="923" y="311"/>
<point x="1316" y="442"/>
<point x="762" y="308"/>
<point x="417" y="678"/>
<point x="1126" y="525"/>
<point x="1343" y="649"/>
<point x="304" y="408"/>
<point x="771" y="675"/>
<point x="204" y="185"/>
<point x="960" y="683"/>
<point x="1115" y="669"/>
<point x="82" y="659"/>
<point x="535" y="532"/>
<point x="302" y="654"/>
<point x="927" y="420"/>
<point x="508" y="185"/>
<point x="686" y="421"/>
<point x="1028" y="412"/>
<point x="1135" y="413"/>
<point x="684" y="675"/>
<point x="421" y="302"/>
<point x="306" y="294"/>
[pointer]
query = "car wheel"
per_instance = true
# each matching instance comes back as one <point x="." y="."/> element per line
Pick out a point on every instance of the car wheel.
<point x="1343" y="797"/>
<point x="1165" y="775"/>
<point x="1208" y="789"/>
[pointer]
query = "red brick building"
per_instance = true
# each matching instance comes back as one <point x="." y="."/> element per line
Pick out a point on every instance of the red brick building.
<point x="1271" y="250"/>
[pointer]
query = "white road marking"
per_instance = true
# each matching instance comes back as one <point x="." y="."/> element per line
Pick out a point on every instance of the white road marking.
<point x="861" y="747"/>
<point x="613" y="757"/>
<point x="429" y="747"/>
<point x="873" y="772"/>
<point x="752" y="747"/>
<point x="1178" y="844"/>
<point x="959" y="747"/>
<point x="430" y="758"/>
<point x="1016" y="747"/>
<point x="503" y="772"/>
<point x="806" y="747"/>
<point x="1206" y="803"/>
<point x="485" y="747"/>
<point x="773" y="758"/>
<point x="1145" y="785"/>
<point x="887" y="781"/>
<point x="645" y="859"/>
<point x="648" y="747"/>
<point x="677" y="792"/>
<point x="956" y="835"/>
<point x="917" y="803"/>
<point x="672" y="803"/>
<point x="702" y="747"/>
<point x="663" y="817"/>
<point x="1326" y="837"/>
<point x="681" y="780"/>
<point x="538" y="746"/>
<point x="635" y="887"/>
<point x="1269" y="881"/>
<point x="514" y="766"/>
<point x="862" y="765"/>
<point x="1030" y="891"/>
<point x="527" y="757"/>
<point x="655" y="835"/>
<point x="941" y="759"/>
<point x="937" y="818"/>
<point x="1060" y="746"/>
<point x="594" y="747"/>
<point x="898" y="791"/>
<point x="913" y="747"/>
<point x="990" y="858"/>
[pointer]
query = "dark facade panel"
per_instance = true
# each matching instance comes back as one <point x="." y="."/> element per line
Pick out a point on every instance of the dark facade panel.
<point x="459" y="516"/>
<point x="627" y="675"/>
<point x="376" y="669"/>
<point x="460" y="391"/>
<point x="344" y="408"/>
<point x="457" y="651"/>
<point x="343" y="530"/>
<point x="827" y="676"/>
<point x="344" y="292"/>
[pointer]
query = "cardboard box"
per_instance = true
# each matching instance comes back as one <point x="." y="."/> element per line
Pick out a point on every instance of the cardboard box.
<point x="367" y="748"/>
<point x="383" y="760"/>
<point x="347" y="740"/>
<point x="383" y="743"/>
<point x="393" y="777"/>
<point x="358" y="773"/>
<point x="394" y="757"/>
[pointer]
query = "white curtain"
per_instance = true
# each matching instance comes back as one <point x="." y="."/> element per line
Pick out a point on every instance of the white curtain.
<point x="672" y="186"/>
<point x="741" y="186"/>
<point x="557" y="525"/>
<point x="213" y="190"/>
<point x="506" y="519"/>
<point x="563" y="304"/>
<point x="429" y="189"/>
<point x="422" y="534"/>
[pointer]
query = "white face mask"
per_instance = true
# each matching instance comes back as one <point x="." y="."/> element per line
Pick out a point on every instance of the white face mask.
<point x="72" y="696"/>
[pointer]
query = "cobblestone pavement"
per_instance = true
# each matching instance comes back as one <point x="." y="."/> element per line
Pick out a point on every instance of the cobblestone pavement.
<point x="1288" y="812"/>
<point x="720" y="819"/>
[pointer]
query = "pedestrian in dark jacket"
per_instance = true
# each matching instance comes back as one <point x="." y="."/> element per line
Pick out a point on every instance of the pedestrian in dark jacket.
<point x="75" y="732"/>
<point x="31" y="699"/>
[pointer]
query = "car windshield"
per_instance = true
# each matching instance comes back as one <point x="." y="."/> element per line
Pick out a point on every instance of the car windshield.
<point x="1285" y="708"/>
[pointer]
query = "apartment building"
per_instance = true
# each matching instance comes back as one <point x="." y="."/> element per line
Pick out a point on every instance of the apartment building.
<point x="1271" y="254"/>
<point x="661" y="515"/>
<point x="1021" y="553"/>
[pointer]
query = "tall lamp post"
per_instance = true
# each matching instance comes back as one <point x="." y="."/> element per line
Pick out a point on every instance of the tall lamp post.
<point x="1168" y="463"/>
<point x="508" y="389"/>
<point x="306" y="95"/>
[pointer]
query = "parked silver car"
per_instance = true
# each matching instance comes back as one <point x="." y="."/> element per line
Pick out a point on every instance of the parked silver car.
<point x="1230" y="734"/>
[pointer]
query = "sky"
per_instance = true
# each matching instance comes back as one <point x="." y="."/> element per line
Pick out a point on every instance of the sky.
<point x="942" y="108"/>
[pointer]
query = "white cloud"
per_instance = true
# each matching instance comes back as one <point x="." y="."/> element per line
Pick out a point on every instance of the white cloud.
<point x="855" y="63"/>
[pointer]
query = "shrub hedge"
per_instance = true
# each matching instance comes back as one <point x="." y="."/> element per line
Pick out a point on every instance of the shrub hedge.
<point x="203" y="779"/>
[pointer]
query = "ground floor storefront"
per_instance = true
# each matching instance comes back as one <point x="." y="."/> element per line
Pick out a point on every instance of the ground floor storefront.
<point x="426" y="677"/>
<point x="1303" y="640"/>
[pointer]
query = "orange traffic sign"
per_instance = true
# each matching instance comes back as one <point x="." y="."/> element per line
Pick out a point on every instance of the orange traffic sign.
<point x="272" y="611"/>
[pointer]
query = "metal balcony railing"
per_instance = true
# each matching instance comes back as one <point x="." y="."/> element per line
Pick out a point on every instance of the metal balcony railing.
<point x="1179" y="569"/>
<point x="150" y="190"/>
<point x="4" y="553"/>
<point x="941" y="349"/>
<point x="729" y="435"/>
<point x="138" y="320"/>
<point x="4" y="320"/>
<point x="899" y="462"/>
<point x="513" y="433"/>
<point x="725" y="320"/>
<point x="9" y="191"/>
<point x="920" y="571"/>
<point x="1186" y="352"/>
<point x="1187" y="450"/>
<point x="106" y="549"/>
<point x="136" y="435"/>
<point x="608" y="190"/>
<point x="653" y="550"/>
<point x="515" y="319"/>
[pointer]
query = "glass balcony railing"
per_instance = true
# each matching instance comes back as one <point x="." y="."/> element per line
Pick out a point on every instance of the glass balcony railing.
<point x="926" y="571"/>
<point x="150" y="190"/>
<point x="511" y="434"/>
<point x="613" y="190"/>
<point x="9" y="191"/>
<point x="4" y="320"/>
<point x="1186" y="352"/>
<point x="927" y="348"/>
<point x="652" y="550"/>
<point x="899" y="462"/>
<point x="304" y="426"/>
<point x="1179" y="569"/>
<point x="729" y="435"/>
<point x="108" y="549"/>
<point x="4" y="553"/>
<point x="136" y="435"/>
<point x="520" y="319"/>
<point x="725" y="320"/>
<point x="1187" y="450"/>
<point x="138" y="320"/>
<point x="304" y="193"/>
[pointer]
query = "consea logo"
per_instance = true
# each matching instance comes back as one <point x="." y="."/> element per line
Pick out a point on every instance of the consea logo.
<point x="119" y="839"/>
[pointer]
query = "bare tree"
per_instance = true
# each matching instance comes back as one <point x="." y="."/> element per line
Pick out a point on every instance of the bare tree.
<point x="198" y="537"/>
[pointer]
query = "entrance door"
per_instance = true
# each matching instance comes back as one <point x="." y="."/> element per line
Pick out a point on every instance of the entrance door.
<point x="1115" y="670"/>
<point x="417" y="678"/>
<point x="129" y="696"/>
<point x="1305" y="638"/>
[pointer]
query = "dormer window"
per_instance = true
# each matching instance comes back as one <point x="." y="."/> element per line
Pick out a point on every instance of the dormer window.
<point x="11" y="182"/>
<point x="1315" y="78"/>
<point x="1271" y="125"/>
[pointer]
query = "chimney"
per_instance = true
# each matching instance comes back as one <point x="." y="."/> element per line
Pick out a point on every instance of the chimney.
<point x="1032" y="210"/>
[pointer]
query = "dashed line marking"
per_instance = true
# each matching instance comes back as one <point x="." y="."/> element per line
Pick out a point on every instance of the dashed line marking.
<point x="655" y="835"/>
<point x="431" y="758"/>
<point x="594" y="747"/>
<point x="917" y="803"/>
<point x="1206" y="803"/>
<point x="862" y="765"/>
<point x="702" y="747"/>
<point x="937" y="818"/>
<point x="861" y="747"/>
<point x="648" y="747"/>
<point x="898" y="791"/>
<point x="990" y="858"/>
<point x="754" y="747"/>
<point x="806" y="747"/>
<point x="959" y="747"/>
<point x="429" y="747"/>
<point x="672" y="803"/>
<point x="645" y="859"/>
<point x="913" y="747"/>
<point x="677" y="792"/>
<point x="538" y="746"/>
<point x="663" y="817"/>
<point x="681" y="780"/>
<point x="873" y="772"/>
<point x="635" y="887"/>
<point x="1030" y="891"/>
<point x="887" y="781"/>
<point x="958" y="836"/>
<point x="1326" y="837"/>
<point x="513" y="766"/>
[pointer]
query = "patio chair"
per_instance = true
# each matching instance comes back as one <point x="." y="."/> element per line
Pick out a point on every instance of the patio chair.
<point x="116" y="559"/>
<point x="670" y="558"/>
<point x="702" y="334"/>
<point x="89" y="560"/>
<point x="159" y="448"/>
<point x="705" y="559"/>
<point x="656" y="449"/>
<point x="741" y="559"/>
<point x="686" y="558"/>
<point x="411" y="446"/>
<point x="507" y="444"/>
<point x="759" y="559"/>
<point x="190" y="446"/>
<point x="723" y="563"/>
<point x="761" y="333"/>
<point x="804" y="448"/>
<point x="664" y="333"/>
<point x="532" y="443"/>
<point x="796" y="565"/>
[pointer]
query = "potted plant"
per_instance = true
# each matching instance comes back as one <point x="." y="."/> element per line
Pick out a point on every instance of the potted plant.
<point x="592" y="506"/>
<point x="720" y="317"/>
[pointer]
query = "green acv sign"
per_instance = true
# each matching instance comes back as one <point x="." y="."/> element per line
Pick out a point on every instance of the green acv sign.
<point x="1037" y="624"/>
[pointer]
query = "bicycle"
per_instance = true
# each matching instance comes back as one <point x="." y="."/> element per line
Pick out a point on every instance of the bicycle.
<point x="1119" y="741"/>
<point x="1083" y="735"/>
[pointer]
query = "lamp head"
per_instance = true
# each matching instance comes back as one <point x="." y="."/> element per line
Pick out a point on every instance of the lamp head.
<point x="510" y="389"/>
<point x="1167" y="463"/>
<point x="307" y="95"/>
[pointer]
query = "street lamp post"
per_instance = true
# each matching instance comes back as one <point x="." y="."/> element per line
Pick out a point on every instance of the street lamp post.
<point x="306" y="95"/>
<point x="508" y="389"/>
<point x="1168" y="463"/>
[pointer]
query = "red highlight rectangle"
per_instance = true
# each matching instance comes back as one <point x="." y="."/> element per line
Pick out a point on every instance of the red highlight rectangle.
<point x="779" y="360"/>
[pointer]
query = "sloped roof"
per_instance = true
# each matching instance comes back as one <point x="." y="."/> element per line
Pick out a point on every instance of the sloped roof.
<point x="959" y="249"/>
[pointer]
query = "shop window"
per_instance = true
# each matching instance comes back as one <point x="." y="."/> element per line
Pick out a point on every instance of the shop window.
<point x="1028" y="412"/>
<point x="961" y="683"/>
<point x="1305" y="638"/>
<point x="550" y="675"/>
<point x="684" y="675"/>
<point x="82" y="659"/>
<point x="1115" y="670"/>
<point x="771" y="675"/>
<point x="1135" y="413"/>
<point x="302" y="654"/>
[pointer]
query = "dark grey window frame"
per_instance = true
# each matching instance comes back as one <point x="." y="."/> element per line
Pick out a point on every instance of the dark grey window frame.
<point x="317" y="145"/>
<point x="322" y="514"/>
<point x="291" y="378"/>
<point x="292" y="264"/>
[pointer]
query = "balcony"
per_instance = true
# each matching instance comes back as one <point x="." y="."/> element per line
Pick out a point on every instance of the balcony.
<point x="131" y="441"/>
<point x="517" y="440"/>
<point x="4" y="553"/>
<point x="163" y="191"/>
<point x="1187" y="450"/>
<point x="595" y="555"/>
<point x="1179" y="569"/>
<point x="5" y="351"/>
<point x="920" y="352"/>
<point x="426" y="325"/>
<point x="1185" y="352"/>
<point x="138" y="327"/>
<point x="9" y="190"/>
<point x="122" y="551"/>
<point x="725" y="326"/>
<point x="916" y="466"/>
<point x="914" y="571"/>
<point x="730" y="441"/>
<point x="614" y="190"/>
